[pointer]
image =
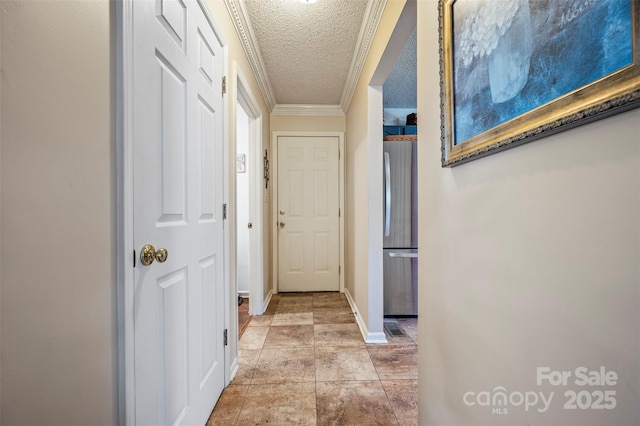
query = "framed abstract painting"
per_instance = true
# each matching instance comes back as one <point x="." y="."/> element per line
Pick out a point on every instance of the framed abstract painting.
<point x="515" y="71"/>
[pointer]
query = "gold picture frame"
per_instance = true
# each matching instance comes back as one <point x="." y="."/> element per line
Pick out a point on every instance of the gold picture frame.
<point x="477" y="121"/>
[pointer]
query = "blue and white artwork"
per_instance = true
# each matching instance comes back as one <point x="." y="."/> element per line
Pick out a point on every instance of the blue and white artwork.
<point x="513" y="56"/>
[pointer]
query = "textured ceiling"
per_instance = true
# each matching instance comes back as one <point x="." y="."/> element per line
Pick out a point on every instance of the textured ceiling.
<point x="307" y="49"/>
<point x="400" y="89"/>
<point x="307" y="58"/>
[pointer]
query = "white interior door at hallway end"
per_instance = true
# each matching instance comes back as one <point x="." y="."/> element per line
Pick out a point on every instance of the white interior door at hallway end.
<point x="308" y="213"/>
<point x="178" y="197"/>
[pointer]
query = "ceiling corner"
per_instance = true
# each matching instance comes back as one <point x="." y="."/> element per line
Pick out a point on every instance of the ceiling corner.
<point x="252" y="51"/>
<point x="372" y="18"/>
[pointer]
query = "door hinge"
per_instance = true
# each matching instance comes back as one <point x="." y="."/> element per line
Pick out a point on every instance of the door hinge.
<point x="339" y="154"/>
<point x="224" y="212"/>
<point x="224" y="84"/>
<point x="339" y="270"/>
<point x="134" y="258"/>
<point x="339" y="212"/>
<point x="226" y="337"/>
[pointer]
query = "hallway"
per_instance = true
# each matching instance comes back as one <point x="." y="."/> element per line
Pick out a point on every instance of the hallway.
<point x="304" y="362"/>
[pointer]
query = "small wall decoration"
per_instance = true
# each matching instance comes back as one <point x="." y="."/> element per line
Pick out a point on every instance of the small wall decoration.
<point x="241" y="163"/>
<point x="515" y="71"/>
<point x="266" y="169"/>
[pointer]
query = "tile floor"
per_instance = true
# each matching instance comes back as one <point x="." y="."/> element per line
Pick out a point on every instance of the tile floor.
<point x="304" y="362"/>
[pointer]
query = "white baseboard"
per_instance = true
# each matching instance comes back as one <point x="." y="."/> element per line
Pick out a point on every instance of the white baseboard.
<point x="233" y="369"/>
<point x="376" y="338"/>
<point x="244" y="294"/>
<point x="266" y="302"/>
<point x="366" y="335"/>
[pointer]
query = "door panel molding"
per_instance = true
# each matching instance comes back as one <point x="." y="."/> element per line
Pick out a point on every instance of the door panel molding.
<point x="274" y="204"/>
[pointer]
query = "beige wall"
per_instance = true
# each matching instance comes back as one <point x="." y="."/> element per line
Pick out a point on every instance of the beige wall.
<point x="307" y="123"/>
<point x="357" y="170"/>
<point x="529" y="258"/>
<point x="58" y="201"/>
<point x="1" y="276"/>
<point x="58" y="215"/>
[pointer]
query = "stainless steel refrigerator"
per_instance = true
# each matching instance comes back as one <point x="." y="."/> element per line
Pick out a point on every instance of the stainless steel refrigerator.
<point x="400" y="244"/>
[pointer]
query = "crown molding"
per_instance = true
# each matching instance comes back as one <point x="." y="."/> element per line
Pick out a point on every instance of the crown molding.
<point x="244" y="29"/>
<point x="307" y="109"/>
<point x="372" y="17"/>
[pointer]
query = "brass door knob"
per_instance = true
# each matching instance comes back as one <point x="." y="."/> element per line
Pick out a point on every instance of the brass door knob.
<point x="161" y="255"/>
<point x="149" y="254"/>
<point x="250" y="225"/>
<point x="281" y="224"/>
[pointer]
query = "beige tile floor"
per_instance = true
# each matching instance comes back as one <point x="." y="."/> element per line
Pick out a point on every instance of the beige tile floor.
<point x="304" y="362"/>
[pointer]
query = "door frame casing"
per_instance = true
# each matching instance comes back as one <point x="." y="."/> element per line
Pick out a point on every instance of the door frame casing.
<point x="405" y="25"/>
<point x="241" y="95"/>
<point x="274" y="203"/>
<point x="125" y="274"/>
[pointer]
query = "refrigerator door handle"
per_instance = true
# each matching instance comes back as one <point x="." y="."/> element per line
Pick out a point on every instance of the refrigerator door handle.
<point x="387" y="195"/>
<point x="397" y="254"/>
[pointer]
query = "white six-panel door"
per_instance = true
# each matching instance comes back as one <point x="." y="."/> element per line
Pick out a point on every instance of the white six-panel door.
<point x="308" y="213"/>
<point x="178" y="198"/>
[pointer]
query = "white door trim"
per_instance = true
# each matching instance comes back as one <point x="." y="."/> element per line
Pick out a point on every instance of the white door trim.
<point x="242" y="95"/>
<point x="374" y="333"/>
<point x="124" y="206"/>
<point x="274" y="204"/>
<point x="401" y="33"/>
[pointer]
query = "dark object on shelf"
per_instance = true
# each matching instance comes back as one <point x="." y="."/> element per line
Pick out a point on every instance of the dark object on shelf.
<point x="412" y="119"/>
